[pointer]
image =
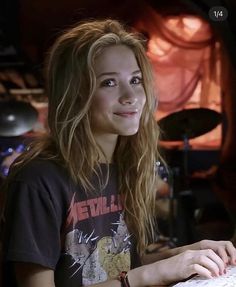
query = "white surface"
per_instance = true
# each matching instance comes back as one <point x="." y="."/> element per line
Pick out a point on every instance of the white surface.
<point x="226" y="280"/>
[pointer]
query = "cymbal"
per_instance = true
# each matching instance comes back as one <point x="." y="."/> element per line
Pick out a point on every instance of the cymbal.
<point x="188" y="123"/>
<point x="16" y="118"/>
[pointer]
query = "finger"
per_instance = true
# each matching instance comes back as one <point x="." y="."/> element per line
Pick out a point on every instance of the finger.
<point x="216" y="264"/>
<point x="201" y="270"/>
<point x="209" y="263"/>
<point x="221" y="251"/>
<point x="231" y="252"/>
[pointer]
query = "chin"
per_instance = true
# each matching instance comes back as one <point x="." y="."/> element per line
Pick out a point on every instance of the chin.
<point x="130" y="132"/>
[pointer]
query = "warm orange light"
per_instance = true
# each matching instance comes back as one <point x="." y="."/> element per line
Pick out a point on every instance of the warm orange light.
<point x="158" y="46"/>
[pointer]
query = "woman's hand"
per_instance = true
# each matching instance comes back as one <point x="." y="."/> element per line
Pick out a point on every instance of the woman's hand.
<point x="205" y="262"/>
<point x="224" y="249"/>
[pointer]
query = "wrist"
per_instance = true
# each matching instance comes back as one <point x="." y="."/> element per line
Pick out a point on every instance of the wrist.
<point x="136" y="277"/>
<point x="194" y="246"/>
<point x="200" y="245"/>
<point x="123" y="278"/>
<point x="156" y="274"/>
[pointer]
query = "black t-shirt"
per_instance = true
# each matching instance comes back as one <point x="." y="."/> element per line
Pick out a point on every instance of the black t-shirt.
<point x="53" y="222"/>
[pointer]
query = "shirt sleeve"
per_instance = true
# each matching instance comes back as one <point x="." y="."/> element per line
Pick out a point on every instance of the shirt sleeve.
<point x="32" y="225"/>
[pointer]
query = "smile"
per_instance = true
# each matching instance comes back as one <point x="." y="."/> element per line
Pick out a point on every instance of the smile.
<point x="126" y="114"/>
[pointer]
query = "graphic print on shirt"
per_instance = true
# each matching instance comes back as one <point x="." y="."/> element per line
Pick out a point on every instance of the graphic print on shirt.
<point x="98" y="258"/>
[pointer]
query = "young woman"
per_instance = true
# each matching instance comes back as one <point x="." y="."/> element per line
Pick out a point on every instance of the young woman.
<point x="81" y="201"/>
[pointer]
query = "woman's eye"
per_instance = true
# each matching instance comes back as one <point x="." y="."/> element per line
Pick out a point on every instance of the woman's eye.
<point x="136" y="80"/>
<point x="108" y="83"/>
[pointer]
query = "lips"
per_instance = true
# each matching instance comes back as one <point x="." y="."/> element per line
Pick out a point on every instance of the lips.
<point x="126" y="113"/>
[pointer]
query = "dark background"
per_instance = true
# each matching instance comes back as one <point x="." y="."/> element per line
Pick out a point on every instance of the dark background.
<point x="33" y="25"/>
<point x="29" y="27"/>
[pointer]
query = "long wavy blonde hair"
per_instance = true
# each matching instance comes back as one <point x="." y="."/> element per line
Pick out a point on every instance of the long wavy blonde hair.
<point x="71" y="83"/>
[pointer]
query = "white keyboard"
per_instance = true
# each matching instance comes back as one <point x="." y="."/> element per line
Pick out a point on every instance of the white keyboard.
<point x="226" y="280"/>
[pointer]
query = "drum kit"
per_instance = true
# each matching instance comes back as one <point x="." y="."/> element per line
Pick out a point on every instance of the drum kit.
<point x="16" y="119"/>
<point x="188" y="124"/>
<point x="183" y="126"/>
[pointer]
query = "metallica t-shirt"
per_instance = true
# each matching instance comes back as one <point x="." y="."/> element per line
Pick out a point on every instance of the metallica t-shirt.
<point x="52" y="222"/>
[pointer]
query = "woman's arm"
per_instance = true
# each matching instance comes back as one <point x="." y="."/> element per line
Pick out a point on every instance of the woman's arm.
<point x="224" y="249"/>
<point x="203" y="262"/>
<point x="33" y="275"/>
<point x="148" y="258"/>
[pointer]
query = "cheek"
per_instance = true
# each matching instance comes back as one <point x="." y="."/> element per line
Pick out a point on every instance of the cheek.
<point x="140" y="92"/>
<point x="143" y="101"/>
<point x="100" y="103"/>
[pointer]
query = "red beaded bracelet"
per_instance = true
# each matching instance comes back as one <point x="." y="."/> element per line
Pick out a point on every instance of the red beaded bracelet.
<point x="123" y="278"/>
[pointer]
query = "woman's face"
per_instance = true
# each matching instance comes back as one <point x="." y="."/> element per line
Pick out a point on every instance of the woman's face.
<point x="119" y="97"/>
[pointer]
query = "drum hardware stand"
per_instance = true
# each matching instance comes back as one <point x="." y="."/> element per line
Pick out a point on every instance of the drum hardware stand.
<point x="182" y="126"/>
<point x="186" y="149"/>
<point x="185" y="202"/>
<point x="172" y="237"/>
<point x="168" y="177"/>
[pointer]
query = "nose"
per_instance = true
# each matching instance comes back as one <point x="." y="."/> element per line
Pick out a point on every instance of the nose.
<point x="127" y="95"/>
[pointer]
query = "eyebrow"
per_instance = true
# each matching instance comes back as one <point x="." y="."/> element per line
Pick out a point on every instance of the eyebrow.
<point x="115" y="73"/>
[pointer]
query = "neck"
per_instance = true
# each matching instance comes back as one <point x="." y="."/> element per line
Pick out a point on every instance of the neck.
<point x="108" y="144"/>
